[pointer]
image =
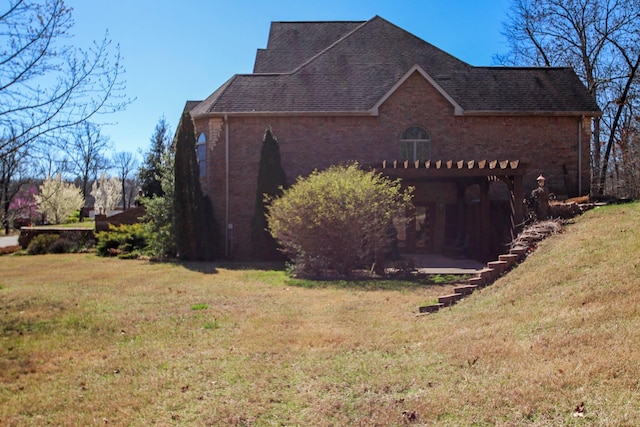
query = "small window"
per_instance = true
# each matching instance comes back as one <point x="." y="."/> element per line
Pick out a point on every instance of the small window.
<point x="415" y="144"/>
<point x="201" y="151"/>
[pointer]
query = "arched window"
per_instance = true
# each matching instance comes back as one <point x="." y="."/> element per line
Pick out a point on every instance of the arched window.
<point x="201" y="151"/>
<point x="415" y="144"/>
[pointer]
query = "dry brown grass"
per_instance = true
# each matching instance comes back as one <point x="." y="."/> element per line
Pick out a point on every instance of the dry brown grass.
<point x="91" y="341"/>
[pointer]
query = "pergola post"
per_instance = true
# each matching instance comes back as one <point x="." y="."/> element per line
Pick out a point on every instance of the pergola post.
<point x="518" y="203"/>
<point x="461" y="208"/>
<point x="485" y="219"/>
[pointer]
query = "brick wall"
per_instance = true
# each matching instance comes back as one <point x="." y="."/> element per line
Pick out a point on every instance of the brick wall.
<point x="130" y="216"/>
<point x="544" y="144"/>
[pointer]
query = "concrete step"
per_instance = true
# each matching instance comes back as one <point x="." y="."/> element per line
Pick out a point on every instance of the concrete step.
<point x="521" y="251"/>
<point x="511" y="259"/>
<point x="499" y="266"/>
<point x="476" y="281"/>
<point x="488" y="275"/>
<point x="430" y="308"/>
<point x="450" y="299"/>
<point x="465" y="289"/>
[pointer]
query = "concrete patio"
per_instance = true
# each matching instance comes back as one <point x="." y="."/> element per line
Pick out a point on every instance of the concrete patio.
<point x="440" y="264"/>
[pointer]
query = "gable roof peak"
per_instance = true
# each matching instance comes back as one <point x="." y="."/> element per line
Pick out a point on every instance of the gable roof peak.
<point x="458" y="110"/>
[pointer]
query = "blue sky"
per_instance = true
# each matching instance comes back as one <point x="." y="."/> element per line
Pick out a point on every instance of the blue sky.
<point x="183" y="50"/>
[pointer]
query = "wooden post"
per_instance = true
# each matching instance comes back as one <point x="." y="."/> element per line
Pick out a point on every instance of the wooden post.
<point x="461" y="208"/>
<point x="485" y="220"/>
<point x="518" y="198"/>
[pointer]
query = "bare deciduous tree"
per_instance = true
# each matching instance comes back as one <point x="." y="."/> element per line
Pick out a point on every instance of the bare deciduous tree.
<point x="125" y="164"/>
<point x="46" y="85"/>
<point x="600" y="39"/>
<point x="86" y="153"/>
<point x="48" y="160"/>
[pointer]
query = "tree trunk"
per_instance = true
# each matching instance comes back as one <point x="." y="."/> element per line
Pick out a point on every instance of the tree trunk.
<point x="615" y="123"/>
<point x="124" y="196"/>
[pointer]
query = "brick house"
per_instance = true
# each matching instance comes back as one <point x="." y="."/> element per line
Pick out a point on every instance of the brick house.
<point x="471" y="140"/>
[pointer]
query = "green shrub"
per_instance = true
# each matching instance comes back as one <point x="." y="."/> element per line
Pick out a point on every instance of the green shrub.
<point x="42" y="243"/>
<point x="124" y="241"/>
<point x="74" y="217"/>
<point x="63" y="245"/>
<point x="337" y="220"/>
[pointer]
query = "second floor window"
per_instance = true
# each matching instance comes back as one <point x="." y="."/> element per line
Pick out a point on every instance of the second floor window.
<point x="415" y="144"/>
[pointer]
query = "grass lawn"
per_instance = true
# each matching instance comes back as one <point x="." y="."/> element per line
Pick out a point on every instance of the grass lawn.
<point x="88" y="223"/>
<point x="94" y="341"/>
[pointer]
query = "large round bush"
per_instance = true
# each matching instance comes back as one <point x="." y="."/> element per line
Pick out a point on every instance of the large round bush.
<point x="337" y="220"/>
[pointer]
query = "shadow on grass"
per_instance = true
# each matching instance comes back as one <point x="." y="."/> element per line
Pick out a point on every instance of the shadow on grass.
<point x="212" y="267"/>
<point x="386" y="283"/>
<point x="380" y="283"/>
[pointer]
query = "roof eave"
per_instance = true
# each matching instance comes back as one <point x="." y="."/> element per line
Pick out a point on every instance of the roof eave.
<point x="286" y="114"/>
<point x="486" y="113"/>
<point x="374" y="112"/>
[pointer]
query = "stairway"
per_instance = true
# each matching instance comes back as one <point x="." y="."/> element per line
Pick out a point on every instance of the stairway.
<point x="484" y="277"/>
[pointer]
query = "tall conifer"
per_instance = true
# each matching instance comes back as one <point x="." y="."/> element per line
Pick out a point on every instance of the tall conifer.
<point x="195" y="226"/>
<point x="150" y="173"/>
<point x="271" y="178"/>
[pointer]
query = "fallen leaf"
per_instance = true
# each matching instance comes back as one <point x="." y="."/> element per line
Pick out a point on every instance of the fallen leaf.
<point x="578" y="412"/>
<point x="410" y="416"/>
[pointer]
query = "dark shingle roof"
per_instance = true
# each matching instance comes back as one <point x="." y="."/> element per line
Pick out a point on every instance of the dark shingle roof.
<point x="355" y="72"/>
<point x="507" y="89"/>
<point x="293" y="43"/>
<point x="190" y="105"/>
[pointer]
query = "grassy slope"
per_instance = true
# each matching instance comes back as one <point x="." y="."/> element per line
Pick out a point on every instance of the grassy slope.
<point x="86" y="341"/>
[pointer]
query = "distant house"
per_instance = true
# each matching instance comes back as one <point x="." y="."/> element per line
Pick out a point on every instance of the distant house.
<point x="471" y="140"/>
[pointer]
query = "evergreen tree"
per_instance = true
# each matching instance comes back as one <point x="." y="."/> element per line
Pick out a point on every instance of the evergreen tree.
<point x="271" y="180"/>
<point x="151" y="170"/>
<point x="158" y="217"/>
<point x="194" y="223"/>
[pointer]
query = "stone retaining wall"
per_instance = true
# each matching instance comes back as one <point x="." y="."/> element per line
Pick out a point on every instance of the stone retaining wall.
<point x="76" y="234"/>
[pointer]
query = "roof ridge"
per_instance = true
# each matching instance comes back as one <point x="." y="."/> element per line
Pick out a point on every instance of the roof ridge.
<point x="319" y="22"/>
<point x="426" y="42"/>
<point x="331" y="46"/>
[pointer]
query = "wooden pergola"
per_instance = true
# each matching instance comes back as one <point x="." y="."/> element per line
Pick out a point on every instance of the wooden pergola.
<point x="465" y="173"/>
